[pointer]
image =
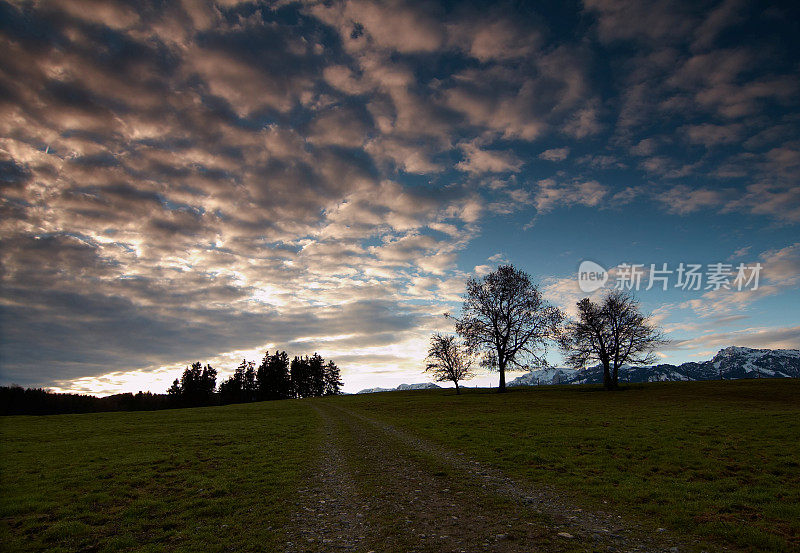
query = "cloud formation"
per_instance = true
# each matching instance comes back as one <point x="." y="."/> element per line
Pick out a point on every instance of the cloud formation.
<point x="201" y="179"/>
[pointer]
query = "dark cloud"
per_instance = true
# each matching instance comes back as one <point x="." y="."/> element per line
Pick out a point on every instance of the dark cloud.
<point x="12" y="174"/>
<point x="194" y="179"/>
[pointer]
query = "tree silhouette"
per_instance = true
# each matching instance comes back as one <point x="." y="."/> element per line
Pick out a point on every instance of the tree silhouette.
<point x="197" y="384"/>
<point x="272" y="377"/>
<point x="316" y="375"/>
<point x="174" y="391"/>
<point x="232" y="389"/>
<point x="15" y="400"/>
<point x="612" y="332"/>
<point x="300" y="376"/>
<point x="249" y="386"/>
<point x="506" y="319"/>
<point x="448" y="360"/>
<point x="333" y="380"/>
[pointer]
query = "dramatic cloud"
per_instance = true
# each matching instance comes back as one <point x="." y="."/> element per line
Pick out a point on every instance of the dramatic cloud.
<point x="203" y="180"/>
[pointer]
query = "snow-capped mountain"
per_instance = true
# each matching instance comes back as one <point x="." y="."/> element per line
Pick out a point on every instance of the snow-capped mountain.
<point x="736" y="362"/>
<point x="417" y="386"/>
<point x="551" y="375"/>
<point x="728" y="364"/>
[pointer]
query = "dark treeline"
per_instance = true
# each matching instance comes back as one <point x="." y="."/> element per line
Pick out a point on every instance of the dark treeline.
<point x="275" y="378"/>
<point x="195" y="387"/>
<point x="15" y="400"/>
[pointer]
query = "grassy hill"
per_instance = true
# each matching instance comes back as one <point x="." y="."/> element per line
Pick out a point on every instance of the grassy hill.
<point x="717" y="462"/>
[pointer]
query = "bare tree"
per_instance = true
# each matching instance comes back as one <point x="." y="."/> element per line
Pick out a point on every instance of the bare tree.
<point x="448" y="360"/>
<point x="505" y="317"/>
<point x="612" y="332"/>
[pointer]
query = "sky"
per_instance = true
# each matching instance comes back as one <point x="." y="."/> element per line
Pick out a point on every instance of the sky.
<point x="188" y="181"/>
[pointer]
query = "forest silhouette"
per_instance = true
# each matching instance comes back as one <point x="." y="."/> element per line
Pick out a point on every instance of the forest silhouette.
<point x="276" y="377"/>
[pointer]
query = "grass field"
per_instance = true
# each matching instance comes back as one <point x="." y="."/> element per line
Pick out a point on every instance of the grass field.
<point x="717" y="461"/>
<point x="208" y="479"/>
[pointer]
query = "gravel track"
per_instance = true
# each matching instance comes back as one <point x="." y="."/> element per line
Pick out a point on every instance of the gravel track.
<point x="379" y="489"/>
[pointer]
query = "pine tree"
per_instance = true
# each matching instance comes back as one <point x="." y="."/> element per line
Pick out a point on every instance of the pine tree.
<point x="249" y="388"/>
<point x="272" y="377"/>
<point x="300" y="373"/>
<point x="232" y="389"/>
<point x="208" y="384"/>
<point x="316" y="375"/>
<point x="333" y="380"/>
<point x="174" y="391"/>
<point x="190" y="384"/>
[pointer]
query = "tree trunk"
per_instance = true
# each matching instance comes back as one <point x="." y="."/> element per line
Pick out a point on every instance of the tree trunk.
<point x="608" y="382"/>
<point x="502" y="387"/>
<point x="457" y="390"/>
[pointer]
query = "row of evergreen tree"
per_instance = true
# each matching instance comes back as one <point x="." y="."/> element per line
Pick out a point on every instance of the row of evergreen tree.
<point x="275" y="378"/>
<point x="15" y="400"/>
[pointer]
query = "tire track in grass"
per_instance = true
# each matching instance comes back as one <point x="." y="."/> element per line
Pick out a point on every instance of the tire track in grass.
<point x="329" y="512"/>
<point x="417" y="505"/>
<point x="494" y="512"/>
<point x="369" y="495"/>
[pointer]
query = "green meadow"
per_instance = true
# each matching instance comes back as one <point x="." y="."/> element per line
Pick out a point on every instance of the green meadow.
<point x="718" y="462"/>
<point x="205" y="479"/>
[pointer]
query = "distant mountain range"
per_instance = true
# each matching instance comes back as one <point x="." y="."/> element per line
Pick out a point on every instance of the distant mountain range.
<point x="418" y="386"/>
<point x="728" y="364"/>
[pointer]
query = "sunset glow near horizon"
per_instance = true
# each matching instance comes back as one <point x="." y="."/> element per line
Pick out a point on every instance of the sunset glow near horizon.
<point x="208" y="181"/>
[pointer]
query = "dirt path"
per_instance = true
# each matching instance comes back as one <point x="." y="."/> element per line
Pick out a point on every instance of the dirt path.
<point x="382" y="490"/>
